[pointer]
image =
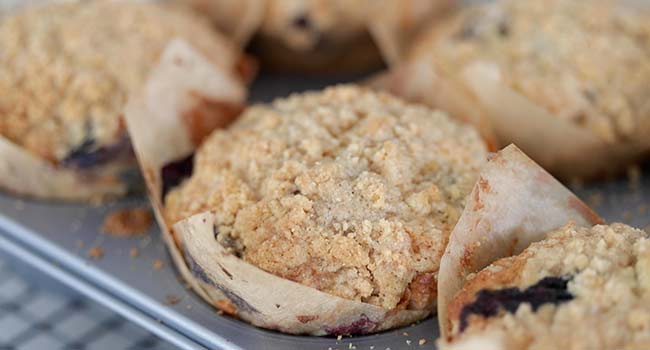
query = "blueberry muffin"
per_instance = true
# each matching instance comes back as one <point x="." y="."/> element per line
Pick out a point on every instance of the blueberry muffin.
<point x="66" y="70"/>
<point x="579" y="288"/>
<point x="347" y="191"/>
<point x="563" y="79"/>
<point x="323" y="36"/>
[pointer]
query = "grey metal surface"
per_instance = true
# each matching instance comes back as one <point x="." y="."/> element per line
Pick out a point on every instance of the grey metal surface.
<point x="62" y="234"/>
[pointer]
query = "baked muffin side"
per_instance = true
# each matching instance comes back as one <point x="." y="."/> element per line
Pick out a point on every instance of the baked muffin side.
<point x="578" y="288"/>
<point x="348" y="191"/>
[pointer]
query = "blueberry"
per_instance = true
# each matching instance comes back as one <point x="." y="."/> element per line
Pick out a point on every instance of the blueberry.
<point x="488" y="301"/>
<point x="88" y="154"/>
<point x="175" y="172"/>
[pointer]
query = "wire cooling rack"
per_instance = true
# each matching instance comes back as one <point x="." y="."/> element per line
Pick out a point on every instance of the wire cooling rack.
<point x="37" y="313"/>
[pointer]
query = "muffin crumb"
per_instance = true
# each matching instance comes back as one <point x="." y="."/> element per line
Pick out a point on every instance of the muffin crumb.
<point x="171" y="299"/>
<point x="158" y="264"/>
<point x="127" y="222"/>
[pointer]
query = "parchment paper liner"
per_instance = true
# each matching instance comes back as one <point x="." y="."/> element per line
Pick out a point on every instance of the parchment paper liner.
<point x="160" y="135"/>
<point x="564" y="148"/>
<point x="238" y="19"/>
<point x="514" y="203"/>
<point x="396" y="24"/>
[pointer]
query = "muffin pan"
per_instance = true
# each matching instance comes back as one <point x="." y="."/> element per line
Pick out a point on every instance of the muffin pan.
<point x="57" y="238"/>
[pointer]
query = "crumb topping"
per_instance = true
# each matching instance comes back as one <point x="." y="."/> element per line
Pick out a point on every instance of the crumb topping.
<point x="584" y="61"/>
<point x="346" y="190"/>
<point x="66" y="69"/>
<point x="610" y="284"/>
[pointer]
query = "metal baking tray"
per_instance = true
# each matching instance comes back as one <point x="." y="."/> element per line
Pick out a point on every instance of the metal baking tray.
<point x="56" y="237"/>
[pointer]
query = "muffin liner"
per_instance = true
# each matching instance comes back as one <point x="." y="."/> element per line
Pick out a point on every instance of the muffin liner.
<point x="25" y="174"/>
<point x="566" y="149"/>
<point x="514" y="203"/>
<point x="161" y="137"/>
<point x="563" y="147"/>
<point x="395" y="24"/>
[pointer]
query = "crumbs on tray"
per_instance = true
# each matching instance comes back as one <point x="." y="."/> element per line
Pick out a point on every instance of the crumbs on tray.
<point x="127" y="222"/>
<point x="95" y="253"/>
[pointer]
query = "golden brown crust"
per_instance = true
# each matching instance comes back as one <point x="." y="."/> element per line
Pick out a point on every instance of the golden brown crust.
<point x="501" y="273"/>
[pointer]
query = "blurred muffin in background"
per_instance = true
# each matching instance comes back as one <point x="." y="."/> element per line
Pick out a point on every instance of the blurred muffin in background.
<point x="568" y="81"/>
<point x="323" y="36"/>
<point x="66" y="71"/>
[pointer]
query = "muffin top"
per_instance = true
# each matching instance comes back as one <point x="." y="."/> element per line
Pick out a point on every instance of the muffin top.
<point x="584" y="61"/>
<point x="580" y="288"/>
<point x="66" y="69"/>
<point x="348" y="191"/>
